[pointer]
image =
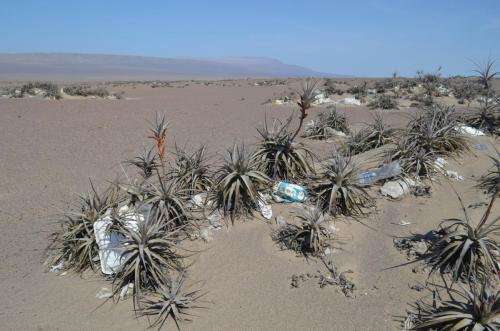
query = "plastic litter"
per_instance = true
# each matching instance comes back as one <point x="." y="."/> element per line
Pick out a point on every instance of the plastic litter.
<point x="206" y="234"/>
<point x="386" y="171"/>
<point x="199" y="200"/>
<point x="439" y="163"/>
<point x="454" y="175"/>
<point x="290" y="192"/>
<point x="265" y="209"/>
<point x="351" y="101"/>
<point x="104" y="293"/>
<point x="126" y="291"/>
<point x="109" y="242"/>
<point x="464" y="129"/>
<point x="214" y="220"/>
<point x="397" y="189"/>
<point x="58" y="267"/>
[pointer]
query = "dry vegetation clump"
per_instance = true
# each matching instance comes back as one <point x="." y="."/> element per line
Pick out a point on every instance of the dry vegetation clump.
<point x="467" y="249"/>
<point x="331" y="89"/>
<point x="430" y="134"/>
<point x="149" y="254"/>
<point x="45" y="89"/>
<point x="279" y="156"/>
<point x="336" y="187"/>
<point x="328" y="122"/>
<point x="485" y="76"/>
<point x="85" y="90"/>
<point x="465" y="90"/>
<point x="375" y="135"/>
<point x="191" y="171"/>
<point x="359" y="91"/>
<point x="309" y="237"/>
<point x="490" y="182"/>
<point x="146" y="163"/>
<point x="237" y="182"/>
<point x="383" y="101"/>
<point x="429" y="83"/>
<point x="170" y="302"/>
<point x="486" y="117"/>
<point x="475" y="308"/>
<point x="73" y="245"/>
<point x="149" y="217"/>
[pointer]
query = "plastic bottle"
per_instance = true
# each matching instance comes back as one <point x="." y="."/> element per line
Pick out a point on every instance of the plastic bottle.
<point x="387" y="171"/>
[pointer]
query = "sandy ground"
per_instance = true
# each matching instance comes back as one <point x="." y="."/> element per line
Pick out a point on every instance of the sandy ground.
<point x="50" y="149"/>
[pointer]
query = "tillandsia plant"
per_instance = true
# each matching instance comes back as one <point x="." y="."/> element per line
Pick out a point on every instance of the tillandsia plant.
<point x="74" y="245"/>
<point x="278" y="156"/>
<point x="150" y="253"/>
<point x="309" y="237"/>
<point x="329" y="120"/>
<point x="491" y="180"/>
<point x="430" y="134"/>
<point x="383" y="101"/>
<point x="486" y="74"/>
<point x="191" y="171"/>
<point x="467" y="309"/>
<point x="237" y="182"/>
<point x="146" y="162"/>
<point x="158" y="134"/>
<point x="171" y="302"/>
<point x="170" y="200"/>
<point x="374" y="135"/>
<point x="466" y="249"/>
<point x="486" y="117"/>
<point x="336" y="187"/>
<point x="307" y="97"/>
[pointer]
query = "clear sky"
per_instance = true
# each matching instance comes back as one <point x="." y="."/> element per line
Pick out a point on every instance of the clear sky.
<point x="363" y="38"/>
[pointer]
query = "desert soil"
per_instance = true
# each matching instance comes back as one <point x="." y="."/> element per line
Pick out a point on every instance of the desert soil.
<point x="50" y="149"/>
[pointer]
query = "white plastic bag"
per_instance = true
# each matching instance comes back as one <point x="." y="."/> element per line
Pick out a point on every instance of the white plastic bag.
<point x="110" y="243"/>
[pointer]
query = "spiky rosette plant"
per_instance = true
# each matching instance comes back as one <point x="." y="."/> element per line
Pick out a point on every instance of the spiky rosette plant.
<point x="191" y="171"/>
<point x="375" y="135"/>
<point x="237" y="182"/>
<point x="74" y="244"/>
<point x="491" y="180"/>
<point x="309" y="237"/>
<point x="278" y="156"/>
<point x="146" y="163"/>
<point x="476" y="308"/>
<point x="170" y="200"/>
<point x="336" y="187"/>
<point x="430" y="134"/>
<point x="466" y="249"/>
<point x="149" y="254"/>
<point x="170" y="302"/>
<point x="383" y="101"/>
<point x="327" y="121"/>
<point x="158" y="135"/>
<point x="486" y="74"/>
<point x="486" y="117"/>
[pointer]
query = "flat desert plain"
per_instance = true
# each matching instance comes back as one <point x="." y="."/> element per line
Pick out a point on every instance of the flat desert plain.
<point x="49" y="149"/>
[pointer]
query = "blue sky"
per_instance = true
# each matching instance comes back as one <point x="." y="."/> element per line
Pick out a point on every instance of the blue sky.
<point x="363" y="38"/>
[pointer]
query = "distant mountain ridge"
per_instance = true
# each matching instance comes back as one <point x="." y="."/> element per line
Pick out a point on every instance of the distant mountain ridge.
<point x="74" y="66"/>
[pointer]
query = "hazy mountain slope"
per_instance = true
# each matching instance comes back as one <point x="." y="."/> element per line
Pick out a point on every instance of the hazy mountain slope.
<point x="56" y="65"/>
